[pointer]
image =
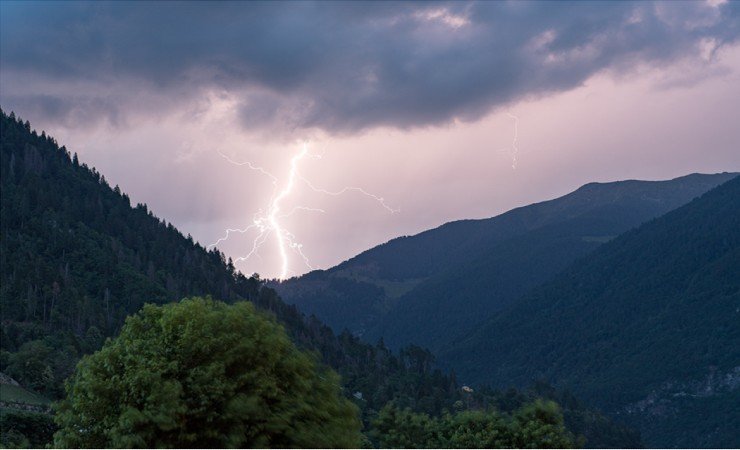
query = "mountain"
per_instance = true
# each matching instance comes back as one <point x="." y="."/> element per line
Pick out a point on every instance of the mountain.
<point x="431" y="288"/>
<point x="76" y="258"/>
<point x="646" y="327"/>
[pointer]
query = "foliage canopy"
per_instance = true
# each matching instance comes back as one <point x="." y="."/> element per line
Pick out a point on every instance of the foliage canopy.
<point x="535" y="425"/>
<point x="201" y="373"/>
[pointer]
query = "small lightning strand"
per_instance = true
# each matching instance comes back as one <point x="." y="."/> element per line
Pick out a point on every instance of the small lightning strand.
<point x="258" y="241"/>
<point x="515" y="148"/>
<point x="269" y="223"/>
<point x="251" y="166"/>
<point x="513" y="151"/>
<point x="298" y="248"/>
<point x="301" y="208"/>
<point x="228" y="233"/>
<point x="380" y="200"/>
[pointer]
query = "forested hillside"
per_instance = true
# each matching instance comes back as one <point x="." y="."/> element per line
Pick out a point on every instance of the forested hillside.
<point x="76" y="258"/>
<point x="647" y="327"/>
<point x="431" y="288"/>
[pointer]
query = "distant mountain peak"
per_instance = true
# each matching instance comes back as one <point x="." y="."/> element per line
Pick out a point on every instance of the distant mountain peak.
<point x="431" y="286"/>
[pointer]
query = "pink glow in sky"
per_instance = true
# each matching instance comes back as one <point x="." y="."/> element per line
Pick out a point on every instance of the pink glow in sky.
<point x="653" y="112"/>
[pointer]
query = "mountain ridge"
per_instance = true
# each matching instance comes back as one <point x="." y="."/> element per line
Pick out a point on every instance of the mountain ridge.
<point x="646" y="326"/>
<point x="359" y="295"/>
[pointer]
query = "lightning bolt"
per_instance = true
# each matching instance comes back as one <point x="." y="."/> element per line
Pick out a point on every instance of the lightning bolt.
<point x="267" y="223"/>
<point x="514" y="147"/>
<point x="513" y="151"/>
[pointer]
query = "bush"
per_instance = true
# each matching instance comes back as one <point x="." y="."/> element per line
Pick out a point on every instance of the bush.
<point x="21" y="429"/>
<point x="535" y="425"/>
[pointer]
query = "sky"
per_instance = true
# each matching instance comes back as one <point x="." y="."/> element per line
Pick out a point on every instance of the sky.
<point x="319" y="130"/>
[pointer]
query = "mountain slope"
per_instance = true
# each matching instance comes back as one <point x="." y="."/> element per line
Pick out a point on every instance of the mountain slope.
<point x="647" y="326"/>
<point x="76" y="259"/>
<point x="430" y="288"/>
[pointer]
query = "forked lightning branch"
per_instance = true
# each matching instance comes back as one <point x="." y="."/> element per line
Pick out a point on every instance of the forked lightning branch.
<point x="267" y="224"/>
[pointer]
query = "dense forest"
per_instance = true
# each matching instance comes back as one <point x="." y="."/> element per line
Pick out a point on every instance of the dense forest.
<point x="647" y="327"/>
<point x="76" y="259"/>
<point x="432" y="288"/>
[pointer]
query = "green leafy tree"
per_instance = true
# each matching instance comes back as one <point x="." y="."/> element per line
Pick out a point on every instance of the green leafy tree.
<point x="25" y="429"/>
<point x="29" y="365"/>
<point x="477" y="429"/>
<point x="538" y="424"/>
<point x="403" y="428"/>
<point x="201" y="373"/>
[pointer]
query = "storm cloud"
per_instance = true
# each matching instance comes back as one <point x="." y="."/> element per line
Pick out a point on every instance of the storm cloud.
<point x="337" y="67"/>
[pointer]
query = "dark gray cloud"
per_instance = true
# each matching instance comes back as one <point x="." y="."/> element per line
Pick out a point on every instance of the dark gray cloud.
<point x="69" y="110"/>
<point x="341" y="67"/>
